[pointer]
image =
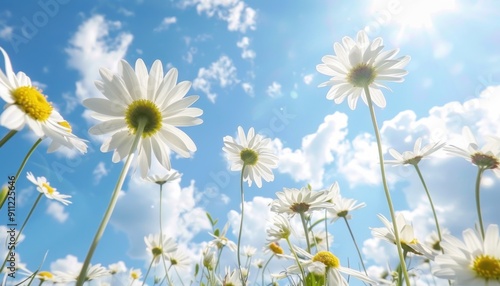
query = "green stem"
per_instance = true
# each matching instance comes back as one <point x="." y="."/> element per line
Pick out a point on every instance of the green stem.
<point x="355" y="244"/>
<point x="241" y="223"/>
<point x="296" y="259"/>
<point x="28" y="155"/>
<point x="304" y="224"/>
<point x="161" y="238"/>
<point x="478" y="202"/>
<point x="386" y="188"/>
<point x="112" y="203"/>
<point x="430" y="201"/>
<point x="7" y="137"/>
<point x="264" y="268"/>
<point x="22" y="227"/>
<point x="326" y="231"/>
<point x="147" y="272"/>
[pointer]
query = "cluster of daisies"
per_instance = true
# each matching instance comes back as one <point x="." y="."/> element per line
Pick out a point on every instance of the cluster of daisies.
<point x="140" y="113"/>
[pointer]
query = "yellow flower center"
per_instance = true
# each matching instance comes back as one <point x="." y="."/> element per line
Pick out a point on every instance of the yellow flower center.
<point x="361" y="75"/>
<point x="327" y="258"/>
<point x="143" y="109"/>
<point x="276" y="248"/>
<point x="156" y="251"/>
<point x="45" y="275"/>
<point x="487" y="267"/>
<point x="300" y="207"/>
<point x="32" y="102"/>
<point x="135" y="275"/>
<point x="50" y="190"/>
<point x="66" y="125"/>
<point x="485" y="161"/>
<point x="249" y="157"/>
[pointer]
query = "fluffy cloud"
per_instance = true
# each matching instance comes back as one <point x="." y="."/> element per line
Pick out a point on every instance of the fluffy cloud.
<point x="57" y="211"/>
<point x="99" y="172"/>
<point x="247" y="53"/>
<point x="222" y="72"/>
<point x="274" y="90"/>
<point x="308" y="78"/>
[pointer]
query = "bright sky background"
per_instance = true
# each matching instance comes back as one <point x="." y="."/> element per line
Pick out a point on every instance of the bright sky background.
<point x="254" y="64"/>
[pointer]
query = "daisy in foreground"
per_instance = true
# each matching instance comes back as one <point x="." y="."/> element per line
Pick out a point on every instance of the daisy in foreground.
<point x="26" y="105"/>
<point x="361" y="64"/>
<point x="472" y="262"/>
<point x="44" y="187"/>
<point x="323" y="264"/>
<point x="150" y="105"/>
<point x="251" y="153"/>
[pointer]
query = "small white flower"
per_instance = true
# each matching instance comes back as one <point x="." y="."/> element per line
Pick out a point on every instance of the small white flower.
<point x="179" y="259"/>
<point x="220" y="240"/>
<point x="279" y="229"/>
<point x="319" y="239"/>
<point x="135" y="274"/>
<point x="303" y="201"/>
<point x="118" y="267"/>
<point x="45" y="188"/>
<point x="341" y="207"/>
<point x="249" y="250"/>
<point x="93" y="272"/>
<point x="159" y="248"/>
<point x="413" y="158"/>
<point x="361" y="64"/>
<point x="232" y="278"/>
<point x="254" y="152"/>
<point x="472" y="262"/>
<point x="161" y="180"/>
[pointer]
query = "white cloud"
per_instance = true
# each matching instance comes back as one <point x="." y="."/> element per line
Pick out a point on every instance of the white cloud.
<point x="274" y="90"/>
<point x="165" y="23"/>
<point x="125" y="12"/>
<point x="57" y="211"/>
<point x="248" y="88"/>
<point x="6" y="32"/>
<point x="308" y="78"/>
<point x="99" y="172"/>
<point x="236" y="13"/>
<point x="93" y="46"/>
<point x="247" y="53"/>
<point x="222" y="71"/>
<point x="317" y="150"/>
<point x="68" y="264"/>
<point x="70" y="102"/>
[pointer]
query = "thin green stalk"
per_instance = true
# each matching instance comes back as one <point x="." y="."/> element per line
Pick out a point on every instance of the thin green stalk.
<point x="386" y="188"/>
<point x="147" y="272"/>
<point x="112" y="203"/>
<point x="7" y="137"/>
<point x="264" y="268"/>
<point x="355" y="244"/>
<point x="326" y="231"/>
<point x="430" y="201"/>
<point x="28" y="155"/>
<point x="478" y="202"/>
<point x="296" y="259"/>
<point x="304" y="224"/>
<point x="161" y="237"/>
<point x="241" y="223"/>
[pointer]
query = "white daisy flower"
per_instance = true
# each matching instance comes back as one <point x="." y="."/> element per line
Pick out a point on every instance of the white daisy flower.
<point x="209" y="260"/>
<point x="44" y="187"/>
<point x="159" y="248"/>
<point x="323" y="263"/>
<point x="94" y="272"/>
<point x="409" y="241"/>
<point x="361" y="64"/>
<point x="232" y="278"/>
<point x="259" y="263"/>
<point x="134" y="96"/>
<point x="135" y="274"/>
<point x="254" y="152"/>
<point x="341" y="206"/>
<point x="274" y="248"/>
<point x="279" y="229"/>
<point x="161" y="180"/>
<point x="319" y="239"/>
<point x="249" y="250"/>
<point x="487" y="157"/>
<point x="116" y="268"/>
<point x="413" y="158"/>
<point x="179" y="259"/>
<point x="303" y="201"/>
<point x="472" y="262"/>
<point x="26" y="105"/>
<point x="220" y="240"/>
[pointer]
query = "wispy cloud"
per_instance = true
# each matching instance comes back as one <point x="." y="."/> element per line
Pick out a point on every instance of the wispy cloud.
<point x="99" y="172"/>
<point x="247" y="53"/>
<point x="165" y="23"/>
<point x="274" y="90"/>
<point x="221" y="72"/>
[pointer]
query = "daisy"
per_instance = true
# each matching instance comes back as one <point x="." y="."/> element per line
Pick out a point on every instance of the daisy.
<point x="159" y="247"/>
<point x="232" y="278"/>
<point x="303" y="201"/>
<point x="26" y="105"/>
<point x="320" y="239"/>
<point x="342" y="206"/>
<point x="161" y="180"/>
<point x="116" y="268"/>
<point x="94" y="272"/>
<point x="253" y="154"/>
<point x="152" y="104"/>
<point x="358" y="66"/>
<point x="413" y="158"/>
<point x="249" y="250"/>
<point x="179" y="259"/>
<point x="487" y="157"/>
<point x="408" y="240"/>
<point x="274" y="248"/>
<point x="45" y="188"/>
<point x="279" y="229"/>
<point x="472" y="262"/>
<point x="220" y="240"/>
<point x="323" y="263"/>
<point x="135" y="274"/>
<point x="209" y="260"/>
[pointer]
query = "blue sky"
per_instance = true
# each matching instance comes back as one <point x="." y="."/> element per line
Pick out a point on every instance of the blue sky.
<point x="254" y="64"/>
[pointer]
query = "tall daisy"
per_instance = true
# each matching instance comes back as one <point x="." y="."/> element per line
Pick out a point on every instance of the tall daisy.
<point x="159" y="247"/>
<point x="414" y="157"/>
<point x="251" y="153"/>
<point x="475" y="261"/>
<point x="27" y="105"/>
<point x="44" y="187"/>
<point x="150" y="104"/>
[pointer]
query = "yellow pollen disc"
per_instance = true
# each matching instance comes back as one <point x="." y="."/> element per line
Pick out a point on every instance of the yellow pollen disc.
<point x="275" y="248"/>
<point x="50" y="190"/>
<point x="32" y="102"/>
<point x="361" y="75"/>
<point x="327" y="258"/>
<point x="66" y="125"/>
<point x="157" y="251"/>
<point x="143" y="109"/>
<point x="134" y="275"/>
<point x="487" y="267"/>
<point x="45" y="275"/>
